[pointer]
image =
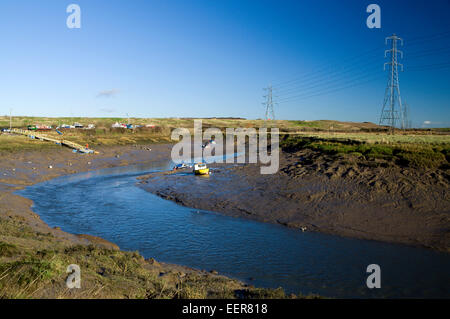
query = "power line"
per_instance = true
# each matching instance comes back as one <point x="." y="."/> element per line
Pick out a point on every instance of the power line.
<point x="323" y="69"/>
<point x="329" y="77"/>
<point x="349" y="84"/>
<point x="389" y="113"/>
<point x="368" y="70"/>
<point x="429" y="66"/>
<point x="326" y="66"/>
<point x="427" y="38"/>
<point x="444" y="49"/>
<point x="270" y="114"/>
<point x="353" y="82"/>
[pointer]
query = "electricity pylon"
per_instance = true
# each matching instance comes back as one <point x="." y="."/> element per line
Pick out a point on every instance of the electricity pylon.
<point x="406" y="119"/>
<point x="270" y="114"/>
<point x="390" y="114"/>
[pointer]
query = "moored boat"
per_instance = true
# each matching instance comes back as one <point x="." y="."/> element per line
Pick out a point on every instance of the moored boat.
<point x="201" y="169"/>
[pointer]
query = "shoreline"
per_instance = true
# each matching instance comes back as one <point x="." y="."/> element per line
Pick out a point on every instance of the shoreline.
<point x="235" y="182"/>
<point x="24" y="168"/>
<point x="35" y="168"/>
<point x="316" y="193"/>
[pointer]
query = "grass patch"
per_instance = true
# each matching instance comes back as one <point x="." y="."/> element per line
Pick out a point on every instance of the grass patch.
<point x="14" y="143"/>
<point x="161" y="129"/>
<point x="41" y="273"/>
<point x="415" y="155"/>
<point x="311" y="124"/>
<point x="23" y="278"/>
<point x="8" y="250"/>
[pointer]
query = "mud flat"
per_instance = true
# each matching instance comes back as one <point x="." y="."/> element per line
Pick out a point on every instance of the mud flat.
<point x="34" y="257"/>
<point x="24" y="168"/>
<point x="344" y="196"/>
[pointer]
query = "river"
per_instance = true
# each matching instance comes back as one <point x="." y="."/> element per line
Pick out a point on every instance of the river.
<point x="107" y="203"/>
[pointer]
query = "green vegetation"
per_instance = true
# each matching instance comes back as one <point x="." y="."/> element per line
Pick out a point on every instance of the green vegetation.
<point x="8" y="250"/>
<point x="118" y="136"/>
<point x="33" y="264"/>
<point x="104" y="134"/>
<point x="315" y="124"/>
<point x="417" y="137"/>
<point x="35" y="267"/>
<point x="14" y="143"/>
<point x="426" y="148"/>
<point x="418" y="155"/>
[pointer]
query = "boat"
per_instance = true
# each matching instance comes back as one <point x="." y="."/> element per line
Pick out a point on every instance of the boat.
<point x="39" y="128"/>
<point x="201" y="169"/>
<point x="180" y="166"/>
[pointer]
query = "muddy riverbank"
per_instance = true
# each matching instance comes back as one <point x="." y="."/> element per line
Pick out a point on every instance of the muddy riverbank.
<point x="25" y="168"/>
<point x="314" y="192"/>
<point x="30" y="248"/>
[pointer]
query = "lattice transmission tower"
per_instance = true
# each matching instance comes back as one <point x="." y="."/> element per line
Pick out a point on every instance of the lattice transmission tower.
<point x="392" y="112"/>
<point x="269" y="103"/>
<point x="406" y="119"/>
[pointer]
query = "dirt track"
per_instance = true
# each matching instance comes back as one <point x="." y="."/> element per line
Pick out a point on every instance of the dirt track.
<point x="345" y="197"/>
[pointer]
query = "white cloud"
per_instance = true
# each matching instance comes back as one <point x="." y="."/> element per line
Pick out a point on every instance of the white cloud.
<point x="108" y="93"/>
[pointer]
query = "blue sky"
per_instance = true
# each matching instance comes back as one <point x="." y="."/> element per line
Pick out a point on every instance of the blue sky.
<point x="212" y="58"/>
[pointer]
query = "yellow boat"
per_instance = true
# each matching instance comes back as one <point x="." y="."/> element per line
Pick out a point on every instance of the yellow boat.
<point x="201" y="169"/>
